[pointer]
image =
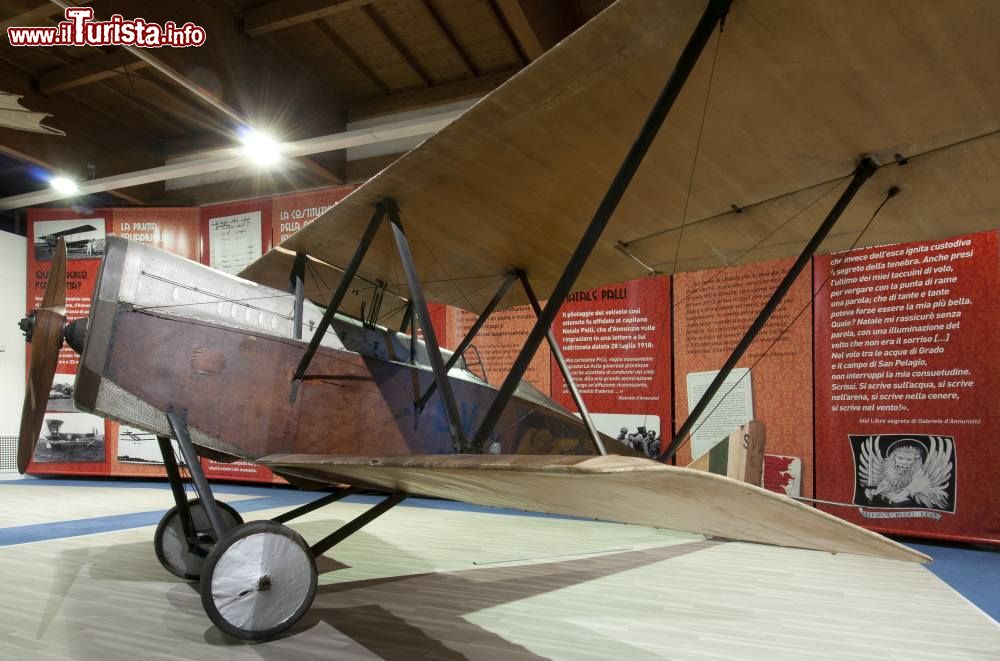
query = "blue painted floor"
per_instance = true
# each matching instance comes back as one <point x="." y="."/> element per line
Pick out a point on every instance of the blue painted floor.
<point x="974" y="572"/>
<point x="263" y="498"/>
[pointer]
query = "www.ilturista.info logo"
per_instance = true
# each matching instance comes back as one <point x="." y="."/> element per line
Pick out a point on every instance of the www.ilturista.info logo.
<point x="80" y="29"/>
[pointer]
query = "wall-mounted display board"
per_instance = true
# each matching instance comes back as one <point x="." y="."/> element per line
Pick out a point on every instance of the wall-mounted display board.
<point x="907" y="387"/>
<point x="616" y="342"/>
<point x="290" y="213"/>
<point x="498" y="343"/>
<point x="71" y="442"/>
<point x="712" y="311"/>
<point x="233" y="235"/>
<point x="174" y="229"/>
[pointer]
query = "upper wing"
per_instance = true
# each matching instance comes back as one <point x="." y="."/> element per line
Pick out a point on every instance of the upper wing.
<point x="800" y="91"/>
<point x="610" y="488"/>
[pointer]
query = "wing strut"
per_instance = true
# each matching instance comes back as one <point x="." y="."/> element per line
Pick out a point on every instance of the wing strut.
<point x="423" y="315"/>
<point x="297" y="283"/>
<point x="416" y="311"/>
<point x="471" y="335"/>
<point x="866" y="168"/>
<point x="338" y="296"/>
<point x="714" y="13"/>
<point x="557" y="356"/>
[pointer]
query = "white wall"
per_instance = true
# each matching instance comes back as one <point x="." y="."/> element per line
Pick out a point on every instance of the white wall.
<point x="13" y="287"/>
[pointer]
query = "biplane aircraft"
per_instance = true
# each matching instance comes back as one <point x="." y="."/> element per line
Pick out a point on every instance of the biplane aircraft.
<point x="805" y="127"/>
<point x="81" y="241"/>
<point x="57" y="439"/>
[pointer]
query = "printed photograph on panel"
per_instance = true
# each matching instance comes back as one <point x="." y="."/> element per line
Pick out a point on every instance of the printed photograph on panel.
<point x="61" y="394"/>
<point x="71" y="437"/>
<point x="84" y="238"/>
<point x="638" y="432"/>
<point x="137" y="446"/>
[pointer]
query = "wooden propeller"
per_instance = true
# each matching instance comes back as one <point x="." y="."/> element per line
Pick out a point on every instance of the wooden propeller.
<point x="44" y="330"/>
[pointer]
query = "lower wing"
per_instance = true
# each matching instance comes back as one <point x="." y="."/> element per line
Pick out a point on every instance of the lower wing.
<point x="609" y="488"/>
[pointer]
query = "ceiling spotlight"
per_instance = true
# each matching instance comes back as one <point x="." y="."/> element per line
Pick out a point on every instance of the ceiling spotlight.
<point x="64" y="185"/>
<point x="260" y="148"/>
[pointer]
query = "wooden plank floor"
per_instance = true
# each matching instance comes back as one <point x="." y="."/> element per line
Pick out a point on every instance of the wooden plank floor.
<point x="424" y="583"/>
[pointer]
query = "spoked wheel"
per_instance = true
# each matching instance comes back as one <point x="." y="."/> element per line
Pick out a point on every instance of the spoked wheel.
<point x="171" y="546"/>
<point x="258" y="581"/>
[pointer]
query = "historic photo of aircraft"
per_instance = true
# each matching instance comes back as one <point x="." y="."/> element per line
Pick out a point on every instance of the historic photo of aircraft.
<point x="84" y="443"/>
<point x="136" y="446"/>
<point x="560" y="179"/>
<point x="83" y="239"/>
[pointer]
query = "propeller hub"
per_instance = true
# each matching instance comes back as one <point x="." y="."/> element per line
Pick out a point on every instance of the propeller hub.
<point x="27" y="326"/>
<point x="76" y="334"/>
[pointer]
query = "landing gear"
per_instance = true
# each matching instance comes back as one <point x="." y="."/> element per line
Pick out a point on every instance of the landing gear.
<point x="258" y="580"/>
<point x="183" y="554"/>
<point x="188" y="531"/>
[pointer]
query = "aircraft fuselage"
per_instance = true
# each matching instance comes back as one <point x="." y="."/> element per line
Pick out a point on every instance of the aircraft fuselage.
<point x="167" y="334"/>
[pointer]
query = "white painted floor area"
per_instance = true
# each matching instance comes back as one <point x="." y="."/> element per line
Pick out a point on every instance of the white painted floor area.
<point x="423" y="583"/>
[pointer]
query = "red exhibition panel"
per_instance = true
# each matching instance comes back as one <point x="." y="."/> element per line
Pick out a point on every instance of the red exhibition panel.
<point x="71" y="442"/>
<point x="496" y="346"/>
<point x="290" y="213"/>
<point x="174" y="229"/>
<point x="712" y="311"/>
<point x="907" y="387"/>
<point x="616" y="342"/>
<point x="239" y="471"/>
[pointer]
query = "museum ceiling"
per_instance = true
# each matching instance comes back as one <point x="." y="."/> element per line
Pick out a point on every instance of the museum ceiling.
<point x="299" y="68"/>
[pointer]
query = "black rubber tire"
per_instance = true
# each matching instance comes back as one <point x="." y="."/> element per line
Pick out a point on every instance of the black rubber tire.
<point x="191" y="569"/>
<point x="298" y="578"/>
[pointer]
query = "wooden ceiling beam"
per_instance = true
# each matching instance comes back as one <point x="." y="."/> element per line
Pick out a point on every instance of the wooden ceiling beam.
<point x="537" y="26"/>
<point x="508" y="32"/>
<point x="349" y="53"/>
<point x="90" y="70"/>
<point x="445" y="29"/>
<point x="182" y="105"/>
<point x="80" y="120"/>
<point x="283" y="14"/>
<point x="138" y="101"/>
<point x="469" y="88"/>
<point x="397" y="43"/>
<point x="87" y="140"/>
<point x="263" y="184"/>
<point x="261" y="99"/>
<point x="37" y="16"/>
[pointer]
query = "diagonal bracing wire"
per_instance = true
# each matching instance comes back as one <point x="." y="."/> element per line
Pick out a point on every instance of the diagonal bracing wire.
<point x="892" y="193"/>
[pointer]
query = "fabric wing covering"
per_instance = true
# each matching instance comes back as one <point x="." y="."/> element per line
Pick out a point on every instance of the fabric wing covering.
<point x="611" y="488"/>
<point x="799" y="92"/>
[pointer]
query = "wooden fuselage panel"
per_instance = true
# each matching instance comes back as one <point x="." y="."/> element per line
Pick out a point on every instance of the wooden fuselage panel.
<point x="235" y="386"/>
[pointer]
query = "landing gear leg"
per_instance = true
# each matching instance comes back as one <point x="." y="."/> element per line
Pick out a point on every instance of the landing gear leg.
<point x="186" y="534"/>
